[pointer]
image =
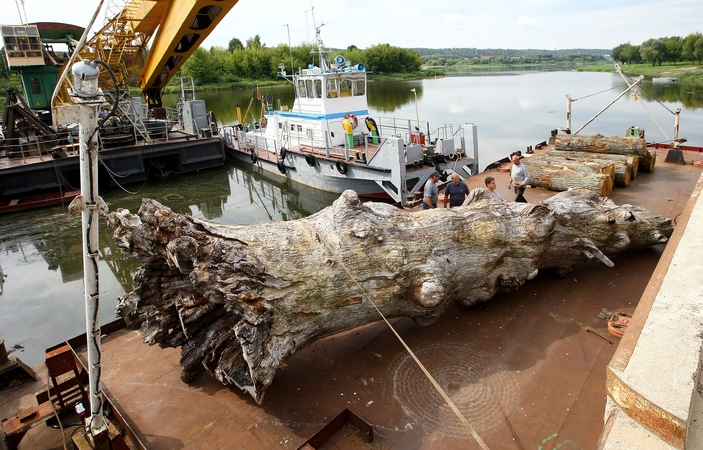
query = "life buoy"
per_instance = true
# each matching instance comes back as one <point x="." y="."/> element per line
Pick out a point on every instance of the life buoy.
<point x="342" y="167"/>
<point x="352" y="119"/>
<point x="283" y="153"/>
<point x="254" y="156"/>
<point x="310" y="160"/>
<point x="281" y="167"/>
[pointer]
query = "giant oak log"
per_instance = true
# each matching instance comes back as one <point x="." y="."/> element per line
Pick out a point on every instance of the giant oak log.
<point x="240" y="299"/>
<point x="562" y="175"/>
<point x="602" y="144"/>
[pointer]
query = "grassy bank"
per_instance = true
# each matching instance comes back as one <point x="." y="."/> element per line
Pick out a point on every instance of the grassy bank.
<point x="687" y="73"/>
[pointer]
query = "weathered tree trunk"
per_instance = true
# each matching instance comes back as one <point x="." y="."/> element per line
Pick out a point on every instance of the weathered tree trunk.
<point x="632" y="161"/>
<point x="558" y="174"/>
<point x="602" y="144"/>
<point x="241" y="299"/>
<point x="647" y="162"/>
<point x="621" y="168"/>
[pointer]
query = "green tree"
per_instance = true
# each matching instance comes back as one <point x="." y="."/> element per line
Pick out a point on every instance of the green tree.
<point x="234" y="45"/>
<point x="688" y="52"/>
<point x="201" y="67"/>
<point x="673" y="47"/>
<point x="255" y="43"/>
<point x="653" y="51"/>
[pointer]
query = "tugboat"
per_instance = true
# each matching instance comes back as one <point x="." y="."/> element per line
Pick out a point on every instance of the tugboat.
<point x="329" y="141"/>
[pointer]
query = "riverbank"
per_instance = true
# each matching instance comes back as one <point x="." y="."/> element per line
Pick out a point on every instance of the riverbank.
<point x="688" y="73"/>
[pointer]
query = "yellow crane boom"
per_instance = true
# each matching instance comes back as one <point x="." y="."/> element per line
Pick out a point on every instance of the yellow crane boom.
<point x="178" y="28"/>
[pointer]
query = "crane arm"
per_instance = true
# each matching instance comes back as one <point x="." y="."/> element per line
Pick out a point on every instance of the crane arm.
<point x="183" y="26"/>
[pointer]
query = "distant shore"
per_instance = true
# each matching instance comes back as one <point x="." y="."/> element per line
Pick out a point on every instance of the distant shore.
<point x="686" y="73"/>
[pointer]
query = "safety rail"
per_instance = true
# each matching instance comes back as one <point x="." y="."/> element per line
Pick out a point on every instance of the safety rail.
<point x="312" y="139"/>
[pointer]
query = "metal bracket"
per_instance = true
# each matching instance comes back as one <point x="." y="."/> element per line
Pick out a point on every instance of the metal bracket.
<point x="336" y="424"/>
<point x="78" y="204"/>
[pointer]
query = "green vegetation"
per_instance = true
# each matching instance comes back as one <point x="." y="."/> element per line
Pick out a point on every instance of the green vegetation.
<point x="672" y="49"/>
<point x="686" y="73"/>
<point x="254" y="63"/>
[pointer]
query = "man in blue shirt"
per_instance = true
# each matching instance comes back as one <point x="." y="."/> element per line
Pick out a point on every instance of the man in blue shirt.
<point x="431" y="192"/>
<point x="455" y="193"/>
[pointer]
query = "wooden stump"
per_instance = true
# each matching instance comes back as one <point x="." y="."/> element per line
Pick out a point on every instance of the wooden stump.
<point x="646" y="163"/>
<point x="632" y="161"/>
<point x="240" y="299"/>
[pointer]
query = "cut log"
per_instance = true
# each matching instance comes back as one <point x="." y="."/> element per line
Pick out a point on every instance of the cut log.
<point x="646" y="163"/>
<point x="561" y="175"/>
<point x="631" y="160"/>
<point x="241" y="299"/>
<point x="602" y="144"/>
<point x="621" y="168"/>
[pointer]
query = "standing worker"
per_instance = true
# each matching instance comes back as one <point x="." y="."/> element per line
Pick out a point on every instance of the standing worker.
<point x="431" y="192"/>
<point x="519" y="176"/>
<point x="455" y="193"/>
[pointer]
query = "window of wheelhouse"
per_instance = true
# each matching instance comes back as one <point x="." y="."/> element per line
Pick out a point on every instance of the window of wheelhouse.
<point x="359" y="87"/>
<point x="310" y="88"/>
<point x="302" y="90"/>
<point x="345" y="88"/>
<point x="332" y="88"/>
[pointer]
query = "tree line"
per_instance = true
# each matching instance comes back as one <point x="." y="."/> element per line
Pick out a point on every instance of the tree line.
<point x="665" y="49"/>
<point x="255" y="60"/>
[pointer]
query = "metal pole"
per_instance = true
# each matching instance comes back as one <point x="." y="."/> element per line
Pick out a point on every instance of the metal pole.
<point x="568" y="114"/>
<point x="417" y="111"/>
<point x="88" y="97"/>
<point x="89" y="219"/>
<point x="677" y="114"/>
<point x="290" y="49"/>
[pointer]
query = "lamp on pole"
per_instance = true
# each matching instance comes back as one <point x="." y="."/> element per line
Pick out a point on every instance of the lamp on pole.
<point x="417" y="112"/>
<point x="290" y="49"/>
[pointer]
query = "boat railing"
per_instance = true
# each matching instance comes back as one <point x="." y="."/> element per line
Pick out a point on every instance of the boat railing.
<point x="411" y="131"/>
<point x="42" y="147"/>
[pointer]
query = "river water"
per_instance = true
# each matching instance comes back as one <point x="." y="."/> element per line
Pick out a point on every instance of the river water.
<point x="41" y="298"/>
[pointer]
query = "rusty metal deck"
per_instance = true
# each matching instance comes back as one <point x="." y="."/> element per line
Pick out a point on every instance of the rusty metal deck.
<point x="523" y="367"/>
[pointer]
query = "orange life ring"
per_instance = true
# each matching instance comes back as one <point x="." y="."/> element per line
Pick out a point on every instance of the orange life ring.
<point x="352" y="119"/>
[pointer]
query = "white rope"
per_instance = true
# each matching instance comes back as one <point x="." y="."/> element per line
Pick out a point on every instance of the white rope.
<point x="417" y="361"/>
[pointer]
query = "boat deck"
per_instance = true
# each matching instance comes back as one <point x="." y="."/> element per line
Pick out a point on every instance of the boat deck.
<point x="526" y="368"/>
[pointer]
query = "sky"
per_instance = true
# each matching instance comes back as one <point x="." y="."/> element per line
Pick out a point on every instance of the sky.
<point x="506" y="24"/>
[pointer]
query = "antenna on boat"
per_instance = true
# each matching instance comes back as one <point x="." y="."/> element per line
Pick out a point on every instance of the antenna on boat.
<point x="318" y="41"/>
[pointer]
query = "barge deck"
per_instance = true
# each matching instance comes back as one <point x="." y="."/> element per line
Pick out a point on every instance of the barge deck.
<point x="526" y="368"/>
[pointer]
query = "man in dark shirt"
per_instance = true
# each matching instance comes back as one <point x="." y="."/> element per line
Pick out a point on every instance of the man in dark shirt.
<point x="455" y="193"/>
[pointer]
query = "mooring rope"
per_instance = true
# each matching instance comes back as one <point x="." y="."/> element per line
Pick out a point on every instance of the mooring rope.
<point x="407" y="348"/>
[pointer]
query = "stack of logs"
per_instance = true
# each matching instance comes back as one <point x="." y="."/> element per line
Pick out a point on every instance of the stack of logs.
<point x="595" y="162"/>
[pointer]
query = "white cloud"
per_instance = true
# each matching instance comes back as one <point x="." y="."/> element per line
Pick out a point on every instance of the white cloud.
<point x="524" y="21"/>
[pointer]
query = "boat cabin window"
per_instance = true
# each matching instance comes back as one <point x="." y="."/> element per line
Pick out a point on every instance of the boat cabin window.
<point x="345" y="88"/>
<point x="318" y="88"/>
<point x="302" y="91"/>
<point x="332" y="88"/>
<point x="359" y="87"/>
<point x="310" y="88"/>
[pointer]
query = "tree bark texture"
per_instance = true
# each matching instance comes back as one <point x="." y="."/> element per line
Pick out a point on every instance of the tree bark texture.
<point x="602" y="144"/>
<point x="622" y="175"/>
<point x="240" y="299"/>
<point x="558" y="174"/>
<point x="632" y="161"/>
<point x="646" y="163"/>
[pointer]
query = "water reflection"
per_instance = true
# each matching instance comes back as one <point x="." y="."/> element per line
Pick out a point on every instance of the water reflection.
<point x="41" y="251"/>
